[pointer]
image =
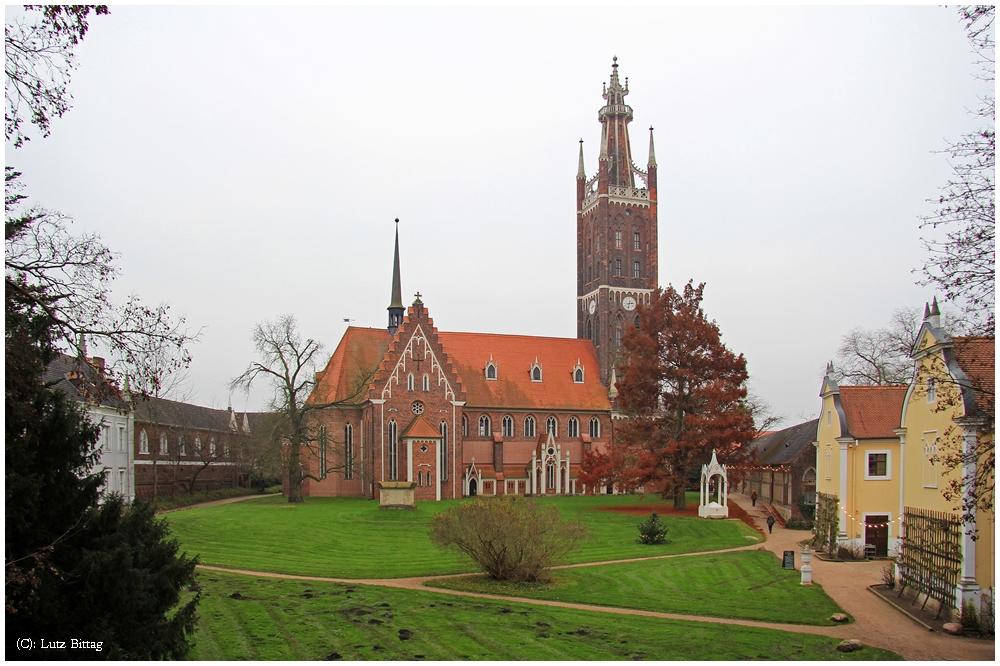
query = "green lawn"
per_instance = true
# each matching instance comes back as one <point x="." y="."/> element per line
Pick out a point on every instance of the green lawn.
<point x="748" y="584"/>
<point x="352" y="538"/>
<point x="281" y="619"/>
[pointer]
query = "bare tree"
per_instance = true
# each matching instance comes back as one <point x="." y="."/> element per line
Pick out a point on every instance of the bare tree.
<point x="762" y="412"/>
<point x="880" y="357"/>
<point x="962" y="264"/>
<point x="290" y="363"/>
<point x="39" y="60"/>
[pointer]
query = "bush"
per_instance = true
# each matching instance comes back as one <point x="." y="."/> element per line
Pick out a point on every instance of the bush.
<point x="652" y="530"/>
<point x="808" y="510"/>
<point x="800" y="524"/>
<point x="509" y="538"/>
<point x="888" y="574"/>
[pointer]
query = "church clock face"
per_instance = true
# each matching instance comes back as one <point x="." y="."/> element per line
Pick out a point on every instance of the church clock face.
<point x="628" y="303"/>
<point x="593" y="306"/>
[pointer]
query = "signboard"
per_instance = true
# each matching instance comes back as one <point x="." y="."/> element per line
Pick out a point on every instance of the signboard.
<point x="788" y="561"/>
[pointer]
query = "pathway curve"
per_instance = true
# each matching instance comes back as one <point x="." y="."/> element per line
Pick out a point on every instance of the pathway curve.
<point x="876" y="623"/>
<point x="228" y="500"/>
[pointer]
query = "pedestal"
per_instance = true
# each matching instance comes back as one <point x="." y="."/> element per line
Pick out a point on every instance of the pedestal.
<point x="396" y="495"/>
<point x="807" y="570"/>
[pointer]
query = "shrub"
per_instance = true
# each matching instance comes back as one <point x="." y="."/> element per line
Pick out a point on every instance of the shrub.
<point x="800" y="524"/>
<point x="652" y="530"/>
<point x="509" y="538"/>
<point x="888" y="574"/>
<point x="808" y="510"/>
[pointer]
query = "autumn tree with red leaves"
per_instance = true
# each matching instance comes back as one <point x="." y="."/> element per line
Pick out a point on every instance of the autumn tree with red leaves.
<point x="683" y="393"/>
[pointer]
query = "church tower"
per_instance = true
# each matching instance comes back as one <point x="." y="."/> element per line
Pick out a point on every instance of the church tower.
<point x="616" y="232"/>
<point x="396" y="309"/>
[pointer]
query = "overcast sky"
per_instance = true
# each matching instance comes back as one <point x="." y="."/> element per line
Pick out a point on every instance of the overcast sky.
<point x="248" y="162"/>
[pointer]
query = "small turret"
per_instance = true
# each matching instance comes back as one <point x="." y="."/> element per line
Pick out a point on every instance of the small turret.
<point x="652" y="152"/>
<point x="932" y="313"/>
<point x="581" y="173"/>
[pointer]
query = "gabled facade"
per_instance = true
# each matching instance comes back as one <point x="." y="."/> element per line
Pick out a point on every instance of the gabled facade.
<point x="84" y="382"/>
<point x="858" y="460"/>
<point x="947" y="406"/>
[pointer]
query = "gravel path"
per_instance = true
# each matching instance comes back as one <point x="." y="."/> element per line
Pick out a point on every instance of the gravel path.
<point x="876" y="623"/>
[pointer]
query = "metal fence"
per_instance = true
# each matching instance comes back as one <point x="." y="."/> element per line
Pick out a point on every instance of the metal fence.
<point x="930" y="559"/>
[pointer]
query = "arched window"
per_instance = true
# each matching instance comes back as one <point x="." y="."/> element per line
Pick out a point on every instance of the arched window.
<point x="578" y="376"/>
<point x="491" y="371"/>
<point x="595" y="427"/>
<point x="180" y="446"/>
<point x="197" y="445"/>
<point x="322" y="452"/>
<point x="443" y="428"/>
<point x="164" y="444"/>
<point x="427" y="382"/>
<point x="550" y="476"/>
<point x="465" y="425"/>
<point x="552" y="426"/>
<point x="573" y="427"/>
<point x="409" y="382"/>
<point x="484" y="426"/>
<point x="536" y="374"/>
<point x="349" y="451"/>
<point x="393" y="451"/>
<point x="507" y="426"/>
<point x="143" y="442"/>
<point x="225" y="448"/>
<point x="211" y="446"/>
<point x="529" y="427"/>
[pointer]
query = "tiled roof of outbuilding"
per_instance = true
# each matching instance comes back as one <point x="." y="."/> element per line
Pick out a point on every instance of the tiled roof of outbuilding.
<point x="81" y="381"/>
<point x="784" y="446"/>
<point x="977" y="358"/>
<point x="164" y="412"/>
<point x="872" y="412"/>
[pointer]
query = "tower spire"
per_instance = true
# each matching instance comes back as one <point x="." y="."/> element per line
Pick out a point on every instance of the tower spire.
<point x="652" y="152"/>
<point x="615" y="116"/>
<point x="396" y="308"/>
<point x="581" y="172"/>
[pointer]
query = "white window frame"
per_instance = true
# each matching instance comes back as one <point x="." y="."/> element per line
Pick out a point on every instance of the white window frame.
<point x="636" y="245"/>
<point x="164" y="444"/>
<point x="930" y="469"/>
<point x="552" y="426"/>
<point x="573" y="427"/>
<point x="180" y="446"/>
<point x="529" y="427"/>
<point x="931" y="390"/>
<point x="198" y="447"/>
<point x="595" y="427"/>
<point x="491" y="366"/>
<point x="888" y="466"/>
<point x="211" y="446"/>
<point x="106" y="435"/>
<point x="507" y="426"/>
<point x="485" y="426"/>
<point x="618" y="239"/>
<point x="122" y="439"/>
<point x="143" y="442"/>
<point x="443" y="429"/>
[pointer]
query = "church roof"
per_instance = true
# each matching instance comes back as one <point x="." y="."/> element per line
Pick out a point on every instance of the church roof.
<point x="872" y="411"/>
<point x="514" y="355"/>
<point x="349" y="370"/>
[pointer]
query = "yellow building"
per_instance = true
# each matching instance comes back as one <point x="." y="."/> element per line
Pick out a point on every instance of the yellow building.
<point x="946" y="430"/>
<point x="858" y="460"/>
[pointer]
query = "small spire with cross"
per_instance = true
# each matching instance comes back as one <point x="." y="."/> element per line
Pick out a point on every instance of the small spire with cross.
<point x="417" y="300"/>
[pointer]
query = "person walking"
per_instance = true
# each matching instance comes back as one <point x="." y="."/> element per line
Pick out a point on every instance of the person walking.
<point x="753" y="498"/>
<point x="770" y="522"/>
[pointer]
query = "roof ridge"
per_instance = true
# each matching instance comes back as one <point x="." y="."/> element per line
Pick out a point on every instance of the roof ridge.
<point x="514" y="335"/>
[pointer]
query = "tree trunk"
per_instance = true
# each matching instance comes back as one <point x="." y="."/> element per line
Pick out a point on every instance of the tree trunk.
<point x="680" y="497"/>
<point x="294" y="475"/>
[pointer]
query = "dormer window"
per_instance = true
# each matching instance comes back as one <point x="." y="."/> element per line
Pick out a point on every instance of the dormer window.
<point x="536" y="371"/>
<point x="578" y="373"/>
<point x="491" y="369"/>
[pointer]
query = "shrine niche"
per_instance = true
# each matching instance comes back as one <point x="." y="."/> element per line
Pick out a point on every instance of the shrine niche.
<point x="714" y="492"/>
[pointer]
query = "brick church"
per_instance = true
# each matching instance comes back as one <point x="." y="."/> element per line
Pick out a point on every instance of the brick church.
<point x="462" y="414"/>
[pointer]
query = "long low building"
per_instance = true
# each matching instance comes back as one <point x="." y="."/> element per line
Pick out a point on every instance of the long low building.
<point x="783" y="469"/>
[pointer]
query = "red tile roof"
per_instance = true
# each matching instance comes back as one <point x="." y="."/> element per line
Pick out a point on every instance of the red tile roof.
<point x="357" y="355"/>
<point x="514" y="355"/>
<point x="420" y="428"/>
<point x="977" y="358"/>
<point x="872" y="411"/>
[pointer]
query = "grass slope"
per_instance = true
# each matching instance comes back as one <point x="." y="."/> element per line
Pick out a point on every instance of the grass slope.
<point x="281" y="619"/>
<point x="352" y="538"/>
<point x="748" y="584"/>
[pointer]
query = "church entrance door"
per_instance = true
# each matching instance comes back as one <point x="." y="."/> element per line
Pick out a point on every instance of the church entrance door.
<point x="472" y="487"/>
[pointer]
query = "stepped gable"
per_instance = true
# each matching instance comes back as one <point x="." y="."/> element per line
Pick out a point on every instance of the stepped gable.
<point x="977" y="358"/>
<point x="781" y="447"/>
<point x="872" y="412"/>
<point x="355" y="358"/>
<point x="514" y="356"/>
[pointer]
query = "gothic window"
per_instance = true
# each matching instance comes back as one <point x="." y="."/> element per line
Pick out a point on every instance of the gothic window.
<point x="465" y="425"/>
<point x="143" y="442"/>
<point x="552" y="426"/>
<point x="507" y="426"/>
<point x="573" y="427"/>
<point x="536" y="374"/>
<point x="595" y="427"/>
<point x="618" y="267"/>
<point x="578" y="376"/>
<point x="484" y="426"/>
<point x="618" y="337"/>
<point x="393" y="452"/>
<point x="427" y="382"/>
<point x="635" y="269"/>
<point x="225" y="448"/>
<point x="348" y="451"/>
<point x="443" y="428"/>
<point x="211" y="446"/>
<point x="430" y="479"/>
<point x="164" y="444"/>
<point x="322" y="452"/>
<point x="409" y="382"/>
<point x="197" y="445"/>
<point x="180" y="446"/>
<point x="491" y="370"/>
<point x="420" y="479"/>
<point x="635" y="241"/>
<point x="529" y="427"/>
<point x="550" y="476"/>
<point x="618" y="239"/>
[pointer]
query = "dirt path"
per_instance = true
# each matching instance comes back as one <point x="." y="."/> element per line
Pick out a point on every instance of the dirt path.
<point x="228" y="500"/>
<point x="876" y="623"/>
